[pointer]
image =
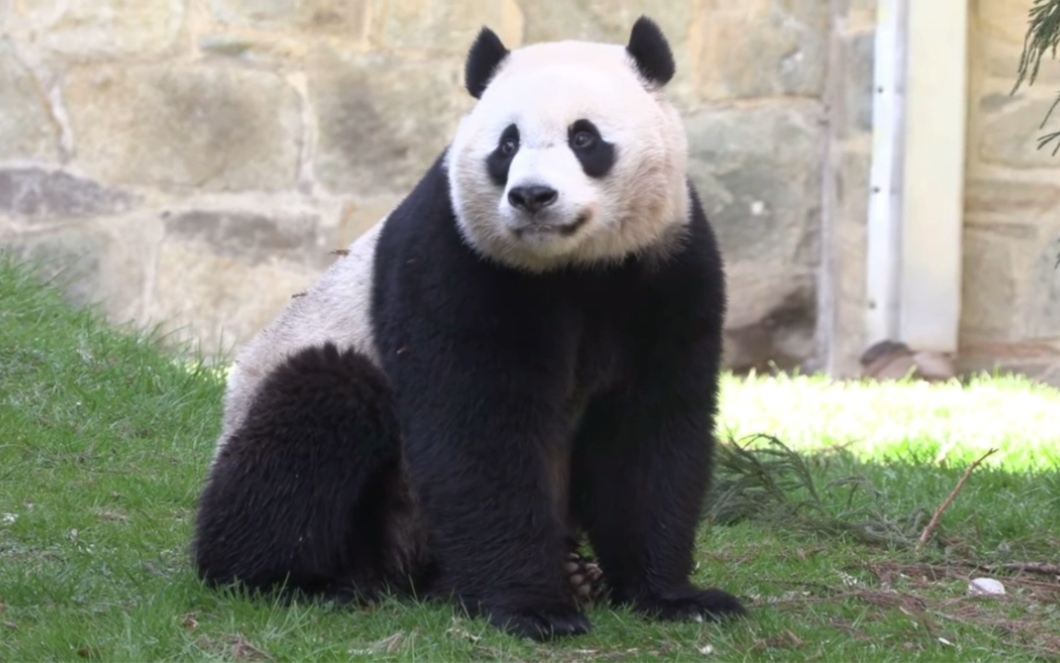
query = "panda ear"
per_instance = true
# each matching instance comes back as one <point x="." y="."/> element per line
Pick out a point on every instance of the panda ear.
<point x="485" y="56"/>
<point x="650" y="51"/>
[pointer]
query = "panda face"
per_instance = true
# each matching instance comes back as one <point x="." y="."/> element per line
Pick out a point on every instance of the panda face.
<point x="569" y="157"/>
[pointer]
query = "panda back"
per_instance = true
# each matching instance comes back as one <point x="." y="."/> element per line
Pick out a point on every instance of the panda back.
<point x="336" y="309"/>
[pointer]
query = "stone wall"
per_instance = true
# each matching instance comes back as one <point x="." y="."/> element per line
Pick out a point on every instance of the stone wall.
<point x="1011" y="289"/>
<point x="193" y="162"/>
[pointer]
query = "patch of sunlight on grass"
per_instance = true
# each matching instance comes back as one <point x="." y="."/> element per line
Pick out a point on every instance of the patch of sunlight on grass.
<point x="947" y="422"/>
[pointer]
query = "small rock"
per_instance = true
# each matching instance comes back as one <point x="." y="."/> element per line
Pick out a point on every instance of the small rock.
<point x="933" y="366"/>
<point x="892" y="360"/>
<point x="985" y="586"/>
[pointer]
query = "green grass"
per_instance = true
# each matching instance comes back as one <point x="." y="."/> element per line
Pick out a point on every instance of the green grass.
<point x="105" y="439"/>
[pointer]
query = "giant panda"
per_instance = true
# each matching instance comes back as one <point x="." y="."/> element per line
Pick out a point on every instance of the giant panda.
<point x="525" y="351"/>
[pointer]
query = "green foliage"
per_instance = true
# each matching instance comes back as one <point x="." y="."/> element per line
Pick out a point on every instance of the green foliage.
<point x="105" y="440"/>
<point x="1043" y="36"/>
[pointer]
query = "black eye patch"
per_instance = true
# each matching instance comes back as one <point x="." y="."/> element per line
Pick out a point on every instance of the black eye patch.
<point x="596" y="155"/>
<point x="500" y="159"/>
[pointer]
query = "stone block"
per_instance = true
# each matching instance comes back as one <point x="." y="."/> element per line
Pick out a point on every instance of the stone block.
<point x="759" y="48"/>
<point x="345" y="17"/>
<point x="999" y="29"/>
<point x="218" y="300"/>
<point x="258" y="47"/>
<point x="224" y="274"/>
<point x="988" y="288"/>
<point x="858" y="62"/>
<point x="1009" y="196"/>
<point x="784" y="336"/>
<point x="85" y="30"/>
<point x="608" y="20"/>
<point x="36" y="194"/>
<point x="215" y="127"/>
<point x="996" y="101"/>
<point x="252" y="237"/>
<point x="1043" y="309"/>
<point x="1002" y="228"/>
<point x="444" y="26"/>
<point x="1004" y="20"/>
<point x="27" y="130"/>
<point x="360" y="214"/>
<point x="860" y="14"/>
<point x="1001" y="60"/>
<point x="758" y="171"/>
<point x="853" y="184"/>
<point x="254" y="12"/>
<point x="1010" y="137"/>
<point x="1037" y="360"/>
<point x="382" y="120"/>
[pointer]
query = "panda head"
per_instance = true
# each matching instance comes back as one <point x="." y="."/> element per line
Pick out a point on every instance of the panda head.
<point x="570" y="155"/>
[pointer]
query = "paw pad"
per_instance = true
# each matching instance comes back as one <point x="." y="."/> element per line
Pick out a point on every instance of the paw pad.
<point x="586" y="578"/>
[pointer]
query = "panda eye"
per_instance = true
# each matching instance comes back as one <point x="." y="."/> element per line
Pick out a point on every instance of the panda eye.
<point x="509" y="141"/>
<point x="582" y="140"/>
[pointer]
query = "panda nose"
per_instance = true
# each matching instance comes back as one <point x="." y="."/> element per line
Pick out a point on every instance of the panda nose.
<point x="532" y="198"/>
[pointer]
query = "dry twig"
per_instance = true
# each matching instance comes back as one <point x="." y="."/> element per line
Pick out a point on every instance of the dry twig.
<point x="953" y="493"/>
<point x="1030" y="567"/>
<point x="243" y="649"/>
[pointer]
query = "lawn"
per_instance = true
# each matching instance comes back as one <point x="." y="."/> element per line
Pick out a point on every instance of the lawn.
<point x="105" y="439"/>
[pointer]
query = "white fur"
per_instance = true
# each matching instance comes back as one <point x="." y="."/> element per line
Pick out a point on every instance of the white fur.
<point x="640" y="206"/>
<point x="336" y="308"/>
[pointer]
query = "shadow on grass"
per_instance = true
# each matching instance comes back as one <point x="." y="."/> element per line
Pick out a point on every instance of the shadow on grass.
<point x="998" y="524"/>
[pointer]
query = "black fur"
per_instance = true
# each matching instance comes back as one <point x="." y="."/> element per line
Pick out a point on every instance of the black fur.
<point x="597" y="156"/>
<point x="500" y="159"/>
<point x="651" y="52"/>
<point x="486" y="54"/>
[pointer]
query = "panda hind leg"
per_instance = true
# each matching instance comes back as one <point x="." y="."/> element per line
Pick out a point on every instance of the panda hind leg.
<point x="308" y="496"/>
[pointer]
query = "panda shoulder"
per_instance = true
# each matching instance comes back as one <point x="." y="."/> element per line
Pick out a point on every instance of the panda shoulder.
<point x="424" y="224"/>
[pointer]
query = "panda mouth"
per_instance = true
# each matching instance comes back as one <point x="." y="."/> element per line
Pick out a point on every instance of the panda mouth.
<point x="540" y="229"/>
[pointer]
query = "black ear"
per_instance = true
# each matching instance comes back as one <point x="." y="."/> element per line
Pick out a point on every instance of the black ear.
<point x="485" y="56"/>
<point x="651" y="52"/>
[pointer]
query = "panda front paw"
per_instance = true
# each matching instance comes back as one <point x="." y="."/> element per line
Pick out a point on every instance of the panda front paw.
<point x="712" y="605"/>
<point x="540" y="624"/>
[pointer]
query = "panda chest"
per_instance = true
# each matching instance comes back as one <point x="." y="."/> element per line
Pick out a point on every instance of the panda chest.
<point x="602" y="359"/>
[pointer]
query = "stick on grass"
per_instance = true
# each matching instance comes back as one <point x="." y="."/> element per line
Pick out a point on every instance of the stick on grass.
<point x="953" y="493"/>
<point x="1030" y="567"/>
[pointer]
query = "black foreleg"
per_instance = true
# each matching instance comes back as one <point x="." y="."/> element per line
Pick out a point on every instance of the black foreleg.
<point x="642" y="466"/>
<point x="478" y="454"/>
